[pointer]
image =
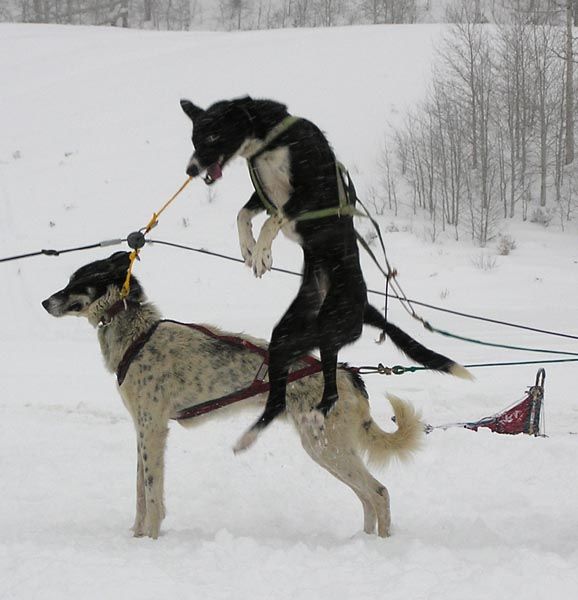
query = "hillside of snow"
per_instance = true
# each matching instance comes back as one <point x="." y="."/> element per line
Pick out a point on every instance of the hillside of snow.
<point x="92" y="142"/>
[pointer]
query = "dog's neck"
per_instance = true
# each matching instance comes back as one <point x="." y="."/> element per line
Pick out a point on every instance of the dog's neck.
<point x="254" y="141"/>
<point x="119" y="325"/>
<point x="250" y="147"/>
<point x="262" y="117"/>
<point x="118" y="307"/>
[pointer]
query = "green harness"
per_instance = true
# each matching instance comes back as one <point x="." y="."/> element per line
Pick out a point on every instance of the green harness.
<point x="345" y="189"/>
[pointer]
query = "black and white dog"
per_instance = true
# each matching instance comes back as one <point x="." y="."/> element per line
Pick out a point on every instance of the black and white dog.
<point x="295" y="175"/>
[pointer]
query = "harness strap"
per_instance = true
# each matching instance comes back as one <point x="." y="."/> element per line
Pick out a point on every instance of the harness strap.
<point x="254" y="173"/>
<point x="345" y="189"/>
<point x="258" y="185"/>
<point x="280" y="128"/>
<point x="132" y="352"/>
<point x="347" y="199"/>
<point x="229" y="339"/>
<point x="258" y="386"/>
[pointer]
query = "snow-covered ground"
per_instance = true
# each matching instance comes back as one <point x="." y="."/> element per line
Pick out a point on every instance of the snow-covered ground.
<point x="92" y="141"/>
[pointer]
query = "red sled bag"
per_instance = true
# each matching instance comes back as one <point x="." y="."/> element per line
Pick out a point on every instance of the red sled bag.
<point x="522" y="417"/>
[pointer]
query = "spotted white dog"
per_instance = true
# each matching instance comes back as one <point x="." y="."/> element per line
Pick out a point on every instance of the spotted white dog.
<point x="165" y="367"/>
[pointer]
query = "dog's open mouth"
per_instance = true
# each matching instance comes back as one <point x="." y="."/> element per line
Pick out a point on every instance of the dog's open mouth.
<point x="214" y="172"/>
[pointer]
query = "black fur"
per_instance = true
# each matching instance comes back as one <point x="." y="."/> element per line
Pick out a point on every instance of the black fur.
<point x="92" y="280"/>
<point x="331" y="305"/>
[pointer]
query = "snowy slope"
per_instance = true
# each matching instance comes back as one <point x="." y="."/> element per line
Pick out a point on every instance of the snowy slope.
<point x="92" y="142"/>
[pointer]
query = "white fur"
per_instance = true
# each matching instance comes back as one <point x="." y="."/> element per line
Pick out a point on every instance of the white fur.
<point x="262" y="257"/>
<point x="193" y="162"/>
<point x="274" y="170"/>
<point x="246" y="239"/>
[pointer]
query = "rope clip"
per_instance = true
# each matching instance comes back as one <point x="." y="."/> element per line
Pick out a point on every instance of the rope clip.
<point x="136" y="240"/>
<point x="397" y="370"/>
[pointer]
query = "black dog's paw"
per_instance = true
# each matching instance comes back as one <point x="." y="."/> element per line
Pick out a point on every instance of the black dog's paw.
<point x="314" y="423"/>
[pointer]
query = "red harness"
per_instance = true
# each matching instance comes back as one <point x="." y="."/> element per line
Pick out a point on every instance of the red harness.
<point x="259" y="385"/>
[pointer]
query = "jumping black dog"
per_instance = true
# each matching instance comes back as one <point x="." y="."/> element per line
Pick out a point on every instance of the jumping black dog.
<point x="298" y="181"/>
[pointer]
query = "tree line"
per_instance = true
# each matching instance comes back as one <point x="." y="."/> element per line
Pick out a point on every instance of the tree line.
<point x="245" y="14"/>
<point x="494" y="137"/>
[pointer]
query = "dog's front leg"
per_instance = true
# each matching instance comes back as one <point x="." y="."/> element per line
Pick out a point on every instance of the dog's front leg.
<point x="245" y="229"/>
<point x="152" y="432"/>
<point x="262" y="257"/>
<point x="139" y="520"/>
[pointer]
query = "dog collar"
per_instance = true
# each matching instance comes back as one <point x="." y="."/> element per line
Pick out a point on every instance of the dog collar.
<point x="114" y="310"/>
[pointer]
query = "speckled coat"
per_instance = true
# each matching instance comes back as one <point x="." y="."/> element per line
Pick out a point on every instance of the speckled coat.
<point x="179" y="367"/>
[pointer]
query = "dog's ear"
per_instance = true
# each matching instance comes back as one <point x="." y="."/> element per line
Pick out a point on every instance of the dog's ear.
<point x="244" y="101"/>
<point x="119" y="264"/>
<point x="190" y="109"/>
<point x="119" y="261"/>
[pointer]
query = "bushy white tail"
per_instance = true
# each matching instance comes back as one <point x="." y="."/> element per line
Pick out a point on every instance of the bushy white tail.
<point x="381" y="446"/>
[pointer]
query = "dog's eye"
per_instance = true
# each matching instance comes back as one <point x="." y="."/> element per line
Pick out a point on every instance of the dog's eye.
<point x="212" y="139"/>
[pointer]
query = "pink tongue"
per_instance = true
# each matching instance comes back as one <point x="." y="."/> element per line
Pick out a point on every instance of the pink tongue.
<point x="214" y="171"/>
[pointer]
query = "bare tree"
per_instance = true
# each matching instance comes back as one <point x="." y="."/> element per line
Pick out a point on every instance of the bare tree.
<point x="234" y="13"/>
<point x="303" y="13"/>
<point x="569" y="116"/>
<point x="328" y="11"/>
<point x="492" y="128"/>
<point x="547" y="80"/>
<point x="388" y="198"/>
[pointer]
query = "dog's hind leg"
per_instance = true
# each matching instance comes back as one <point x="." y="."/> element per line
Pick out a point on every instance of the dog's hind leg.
<point x="289" y="342"/>
<point x="340" y="322"/>
<point x="351" y="470"/>
<point x="369" y="513"/>
<point x="347" y="466"/>
<point x="293" y="336"/>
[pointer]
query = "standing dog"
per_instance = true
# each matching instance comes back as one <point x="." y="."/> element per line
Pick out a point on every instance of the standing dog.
<point x="297" y="180"/>
<point x="163" y="367"/>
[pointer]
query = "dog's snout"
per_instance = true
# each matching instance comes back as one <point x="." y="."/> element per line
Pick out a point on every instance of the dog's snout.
<point x="46" y="304"/>
<point x="193" y="170"/>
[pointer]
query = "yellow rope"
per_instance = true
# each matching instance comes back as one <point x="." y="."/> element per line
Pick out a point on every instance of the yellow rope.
<point x="154" y="220"/>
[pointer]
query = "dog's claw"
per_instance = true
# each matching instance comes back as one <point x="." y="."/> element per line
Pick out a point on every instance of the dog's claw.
<point x="262" y="261"/>
<point x="138" y="530"/>
<point x="247" y="250"/>
<point x="246" y="441"/>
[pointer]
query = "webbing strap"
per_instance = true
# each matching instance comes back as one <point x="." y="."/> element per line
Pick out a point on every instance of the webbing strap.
<point x="132" y="352"/>
<point x="258" y="185"/>
<point x="258" y="386"/>
<point x="280" y="128"/>
<point x="347" y="198"/>
<point x="345" y="189"/>
<point x="254" y="174"/>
